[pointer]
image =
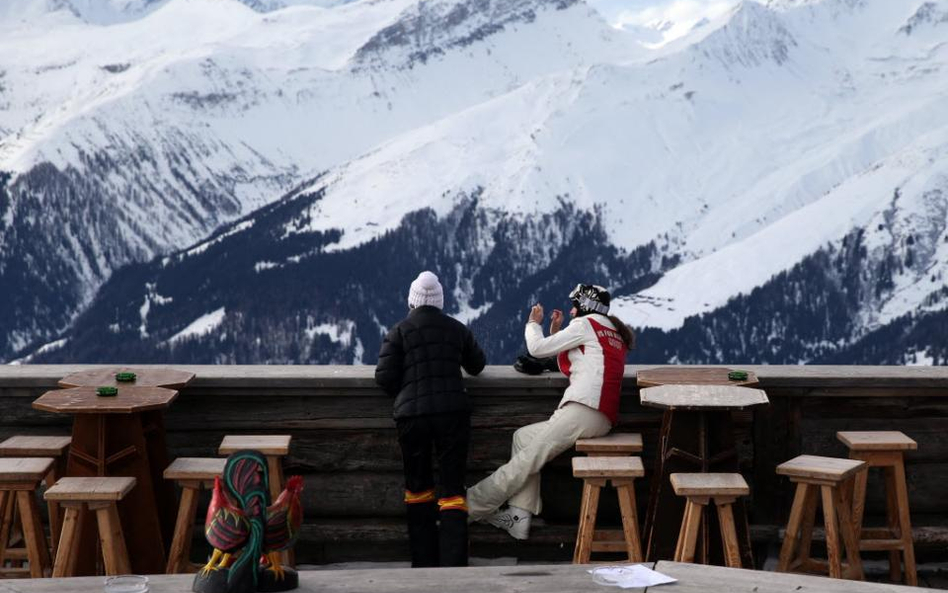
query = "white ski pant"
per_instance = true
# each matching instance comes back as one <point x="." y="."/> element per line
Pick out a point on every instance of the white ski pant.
<point x="518" y="480"/>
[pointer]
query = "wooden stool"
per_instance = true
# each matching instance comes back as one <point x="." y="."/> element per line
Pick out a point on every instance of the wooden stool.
<point x="611" y="445"/>
<point x="275" y="447"/>
<point x="56" y="447"/>
<point x="192" y="474"/>
<point x="617" y="444"/>
<point x="595" y="472"/>
<point x="826" y="476"/>
<point x="884" y="449"/>
<point x="99" y="495"/>
<point x="19" y="479"/>
<point x="699" y="489"/>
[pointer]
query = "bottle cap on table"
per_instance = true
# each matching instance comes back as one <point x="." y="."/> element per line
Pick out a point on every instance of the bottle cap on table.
<point x="737" y="375"/>
<point x="125" y="377"/>
<point x="106" y="391"/>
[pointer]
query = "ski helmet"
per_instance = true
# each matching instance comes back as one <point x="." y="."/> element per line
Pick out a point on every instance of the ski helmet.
<point x="590" y="298"/>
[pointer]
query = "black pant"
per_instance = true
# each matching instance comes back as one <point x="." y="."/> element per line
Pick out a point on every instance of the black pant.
<point x="446" y="437"/>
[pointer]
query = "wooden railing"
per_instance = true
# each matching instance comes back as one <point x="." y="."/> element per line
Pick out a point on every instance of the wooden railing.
<point x="344" y="441"/>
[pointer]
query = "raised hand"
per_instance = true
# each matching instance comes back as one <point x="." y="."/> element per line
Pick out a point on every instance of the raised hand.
<point x="556" y="321"/>
<point x="536" y="313"/>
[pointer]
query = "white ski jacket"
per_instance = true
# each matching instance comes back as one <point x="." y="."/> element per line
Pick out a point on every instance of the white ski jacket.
<point x="592" y="354"/>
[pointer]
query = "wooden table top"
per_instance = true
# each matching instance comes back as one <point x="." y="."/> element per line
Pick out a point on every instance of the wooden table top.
<point x="702" y="397"/>
<point x="83" y="400"/>
<point x="547" y="578"/>
<point x="691" y="376"/>
<point x="144" y="377"/>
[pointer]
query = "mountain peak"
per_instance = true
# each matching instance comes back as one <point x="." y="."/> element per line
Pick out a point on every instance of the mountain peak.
<point x="928" y="14"/>
<point x="752" y="35"/>
<point x="432" y="27"/>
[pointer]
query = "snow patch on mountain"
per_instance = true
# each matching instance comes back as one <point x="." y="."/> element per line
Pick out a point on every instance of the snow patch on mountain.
<point x="44" y="349"/>
<point x="919" y="358"/>
<point x="202" y="247"/>
<point x="341" y="333"/>
<point x="201" y="326"/>
<point x="151" y="298"/>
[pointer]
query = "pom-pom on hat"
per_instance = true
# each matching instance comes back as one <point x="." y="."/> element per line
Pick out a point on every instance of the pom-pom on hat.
<point x="426" y="290"/>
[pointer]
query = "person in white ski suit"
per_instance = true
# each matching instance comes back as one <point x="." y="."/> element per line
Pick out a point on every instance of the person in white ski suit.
<point x="591" y="351"/>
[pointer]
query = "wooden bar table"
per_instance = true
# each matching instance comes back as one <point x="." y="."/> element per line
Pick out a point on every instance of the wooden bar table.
<point x="697" y="435"/>
<point x="108" y="439"/>
<point x="153" y="425"/>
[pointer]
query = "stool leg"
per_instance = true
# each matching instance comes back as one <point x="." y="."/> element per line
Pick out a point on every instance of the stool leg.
<point x="587" y="522"/>
<point x="732" y="553"/>
<point x="831" y="523"/>
<point x="850" y="540"/>
<point x="892" y="522"/>
<point x="905" y="523"/>
<point x="275" y="469"/>
<point x="793" y="528"/>
<point x="806" y="528"/>
<point x="33" y="534"/>
<point x="6" y="501"/>
<point x="180" y="553"/>
<point x="55" y="514"/>
<point x="68" y="550"/>
<point x="114" y="552"/>
<point x="277" y="483"/>
<point x="681" y="532"/>
<point x="693" y="516"/>
<point x="630" y="521"/>
<point x="16" y="524"/>
<point x="859" y="499"/>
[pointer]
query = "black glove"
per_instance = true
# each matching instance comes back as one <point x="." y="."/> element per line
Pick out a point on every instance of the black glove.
<point x="531" y="365"/>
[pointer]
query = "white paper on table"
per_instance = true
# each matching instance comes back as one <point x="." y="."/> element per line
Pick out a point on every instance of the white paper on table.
<point x="627" y="577"/>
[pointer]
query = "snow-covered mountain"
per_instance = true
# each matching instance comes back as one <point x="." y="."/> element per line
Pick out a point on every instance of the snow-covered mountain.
<point x="127" y="141"/>
<point x="788" y="158"/>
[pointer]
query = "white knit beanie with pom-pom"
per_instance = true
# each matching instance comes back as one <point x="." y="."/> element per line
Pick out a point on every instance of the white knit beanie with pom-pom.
<point x="426" y="290"/>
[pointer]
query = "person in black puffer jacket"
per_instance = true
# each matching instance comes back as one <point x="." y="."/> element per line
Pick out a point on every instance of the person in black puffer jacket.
<point x="420" y="365"/>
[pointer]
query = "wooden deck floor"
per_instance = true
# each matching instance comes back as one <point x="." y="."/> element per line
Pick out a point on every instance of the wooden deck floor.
<point x="500" y="579"/>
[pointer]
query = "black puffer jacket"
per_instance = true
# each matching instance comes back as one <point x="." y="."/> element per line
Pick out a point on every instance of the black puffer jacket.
<point x="420" y="363"/>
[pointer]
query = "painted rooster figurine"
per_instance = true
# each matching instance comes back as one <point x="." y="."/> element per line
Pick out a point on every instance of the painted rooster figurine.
<point x="242" y="527"/>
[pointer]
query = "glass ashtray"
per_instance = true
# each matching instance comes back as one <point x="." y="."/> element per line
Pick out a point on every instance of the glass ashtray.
<point x="126" y="583"/>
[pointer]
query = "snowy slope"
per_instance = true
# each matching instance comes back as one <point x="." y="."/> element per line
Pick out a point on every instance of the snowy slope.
<point x="111" y="12"/>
